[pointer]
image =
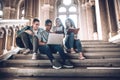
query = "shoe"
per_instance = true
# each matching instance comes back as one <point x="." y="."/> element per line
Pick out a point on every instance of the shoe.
<point x="26" y="51"/>
<point x="56" y="64"/>
<point x="34" y="56"/>
<point x="68" y="64"/>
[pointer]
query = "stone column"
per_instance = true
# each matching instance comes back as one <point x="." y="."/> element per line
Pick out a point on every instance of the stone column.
<point x="45" y="13"/>
<point x="111" y="18"/>
<point x="6" y="40"/>
<point x="117" y="10"/>
<point x="83" y="29"/>
<point x="98" y="18"/>
<point x="102" y="21"/>
<point x="14" y="32"/>
<point x="89" y="20"/>
<point x="13" y="13"/>
<point x="36" y="8"/>
<point x="6" y="11"/>
<point x="28" y="9"/>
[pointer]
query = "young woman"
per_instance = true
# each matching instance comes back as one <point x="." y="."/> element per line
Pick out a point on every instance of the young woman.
<point x="72" y="44"/>
<point x="58" y="28"/>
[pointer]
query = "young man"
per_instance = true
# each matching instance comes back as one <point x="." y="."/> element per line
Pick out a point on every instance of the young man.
<point x="49" y="49"/>
<point x="26" y="38"/>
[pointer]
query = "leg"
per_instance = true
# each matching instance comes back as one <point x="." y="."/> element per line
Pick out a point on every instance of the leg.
<point x="35" y="44"/>
<point x="46" y="50"/>
<point x="60" y="50"/>
<point x="78" y="47"/>
<point x="26" y="40"/>
<point x="19" y="42"/>
<point x="35" y="47"/>
<point x="66" y="61"/>
<point x="70" y="42"/>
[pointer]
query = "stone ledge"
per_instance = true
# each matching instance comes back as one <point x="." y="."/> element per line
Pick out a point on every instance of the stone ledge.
<point x="115" y="39"/>
<point x="9" y="54"/>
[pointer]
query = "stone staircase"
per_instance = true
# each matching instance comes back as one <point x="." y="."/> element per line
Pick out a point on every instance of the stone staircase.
<point x="102" y="63"/>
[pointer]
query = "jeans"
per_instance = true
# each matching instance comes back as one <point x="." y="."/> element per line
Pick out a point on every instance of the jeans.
<point x="49" y="49"/>
<point x="70" y="42"/>
<point x="24" y="40"/>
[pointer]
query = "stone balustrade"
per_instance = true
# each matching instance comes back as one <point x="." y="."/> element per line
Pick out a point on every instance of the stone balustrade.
<point x="8" y="29"/>
<point x="116" y="39"/>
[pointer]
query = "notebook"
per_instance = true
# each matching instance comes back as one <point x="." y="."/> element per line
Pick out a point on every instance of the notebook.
<point x="54" y="38"/>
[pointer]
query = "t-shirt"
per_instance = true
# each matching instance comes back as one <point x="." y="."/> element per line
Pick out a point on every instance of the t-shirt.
<point x="43" y="35"/>
<point x="59" y="30"/>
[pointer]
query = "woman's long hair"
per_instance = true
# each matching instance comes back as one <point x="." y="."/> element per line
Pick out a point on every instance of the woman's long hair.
<point x="71" y="23"/>
<point x="61" y="24"/>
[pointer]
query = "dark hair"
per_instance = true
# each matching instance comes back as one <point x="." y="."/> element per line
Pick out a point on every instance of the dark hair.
<point x="36" y="20"/>
<point x="47" y="22"/>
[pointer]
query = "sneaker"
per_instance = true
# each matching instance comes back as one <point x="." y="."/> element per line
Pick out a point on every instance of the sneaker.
<point x="56" y="64"/>
<point x="34" y="56"/>
<point x="68" y="64"/>
<point x="26" y="51"/>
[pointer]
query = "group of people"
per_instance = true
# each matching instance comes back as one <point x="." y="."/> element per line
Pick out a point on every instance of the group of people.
<point x="33" y="38"/>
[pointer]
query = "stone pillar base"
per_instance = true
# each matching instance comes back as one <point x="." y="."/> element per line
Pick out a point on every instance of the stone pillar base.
<point x="111" y="34"/>
<point x="95" y="35"/>
<point x="5" y="51"/>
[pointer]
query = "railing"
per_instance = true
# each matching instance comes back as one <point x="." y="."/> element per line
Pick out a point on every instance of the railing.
<point x="8" y="29"/>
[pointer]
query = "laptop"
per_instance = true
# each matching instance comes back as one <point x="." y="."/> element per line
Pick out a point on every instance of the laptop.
<point x="54" y="38"/>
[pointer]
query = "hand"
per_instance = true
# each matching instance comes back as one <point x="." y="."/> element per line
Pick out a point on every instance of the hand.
<point x="42" y="43"/>
<point x="29" y="32"/>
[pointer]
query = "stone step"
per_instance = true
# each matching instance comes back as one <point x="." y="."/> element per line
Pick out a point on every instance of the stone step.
<point x="98" y="55"/>
<point x="101" y="49"/>
<point x="77" y="63"/>
<point x="100" y="46"/>
<point x="56" y="78"/>
<point x="77" y="72"/>
<point x="96" y="42"/>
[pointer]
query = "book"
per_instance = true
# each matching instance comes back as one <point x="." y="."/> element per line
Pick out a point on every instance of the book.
<point x="75" y="31"/>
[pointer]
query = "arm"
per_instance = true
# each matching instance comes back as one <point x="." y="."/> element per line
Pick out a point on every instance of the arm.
<point x="41" y="43"/>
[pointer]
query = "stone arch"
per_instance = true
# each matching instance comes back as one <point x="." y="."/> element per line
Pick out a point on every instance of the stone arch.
<point x="2" y="39"/>
<point x="20" y="3"/>
<point x="76" y="3"/>
<point x="10" y="38"/>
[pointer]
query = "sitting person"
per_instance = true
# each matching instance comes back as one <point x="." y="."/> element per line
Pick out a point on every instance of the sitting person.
<point x="26" y="37"/>
<point x="71" y="42"/>
<point x="49" y="49"/>
<point x="58" y="28"/>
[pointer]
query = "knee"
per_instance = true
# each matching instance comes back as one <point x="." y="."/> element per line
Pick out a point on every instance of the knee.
<point x="35" y="38"/>
<point x="72" y="34"/>
<point x="24" y="34"/>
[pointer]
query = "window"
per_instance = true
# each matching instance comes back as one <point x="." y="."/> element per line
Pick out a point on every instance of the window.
<point x="68" y="9"/>
<point x="72" y="9"/>
<point x="67" y="2"/>
<point x="62" y="9"/>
